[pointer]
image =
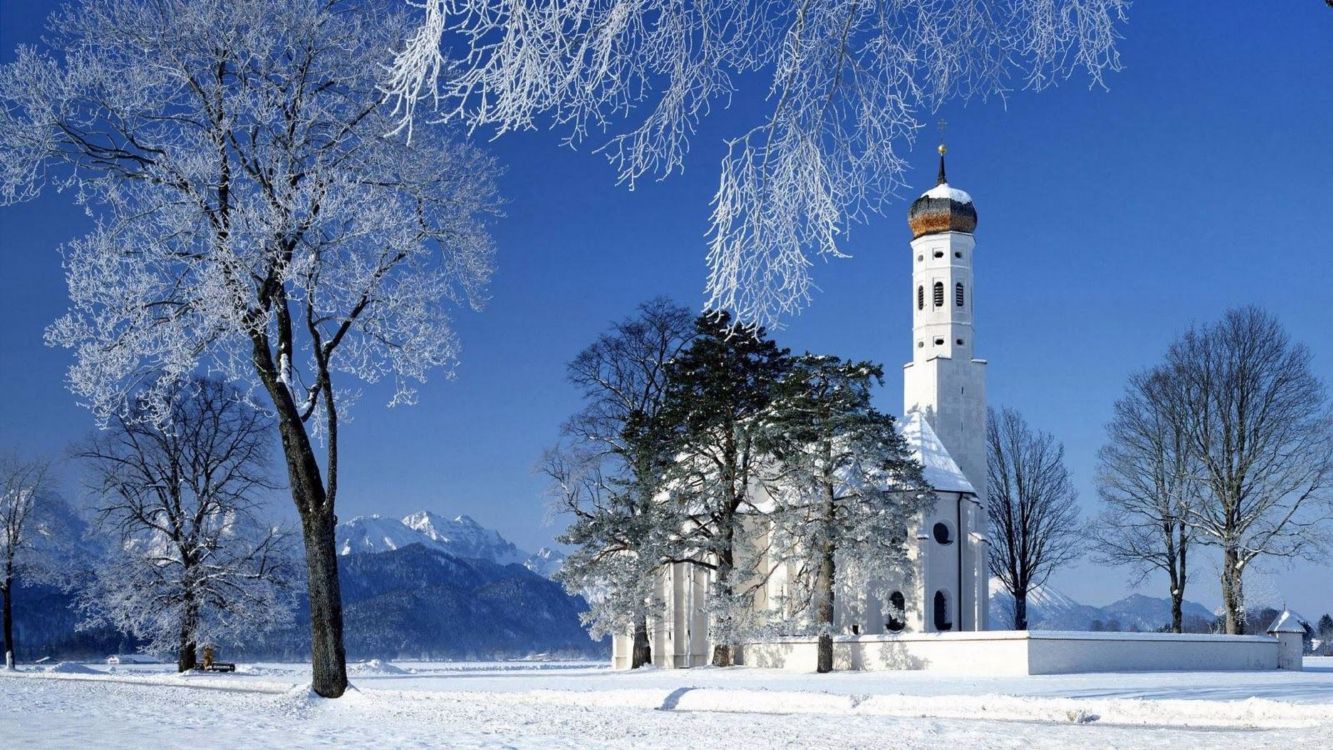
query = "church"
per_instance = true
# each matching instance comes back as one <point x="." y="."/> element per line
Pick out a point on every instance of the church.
<point x="944" y="422"/>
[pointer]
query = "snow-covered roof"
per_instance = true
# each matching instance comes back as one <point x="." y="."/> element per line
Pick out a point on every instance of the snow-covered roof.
<point x="943" y="190"/>
<point x="1288" y="622"/>
<point x="940" y="470"/>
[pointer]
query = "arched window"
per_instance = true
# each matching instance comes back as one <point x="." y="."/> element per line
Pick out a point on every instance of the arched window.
<point x="942" y="533"/>
<point x="921" y="298"/>
<point x="897" y="603"/>
<point x="939" y="294"/>
<point x="958" y="294"/>
<point x="942" y="622"/>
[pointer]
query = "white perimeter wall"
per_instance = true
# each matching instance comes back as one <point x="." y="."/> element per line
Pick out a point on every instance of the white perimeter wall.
<point x="1024" y="652"/>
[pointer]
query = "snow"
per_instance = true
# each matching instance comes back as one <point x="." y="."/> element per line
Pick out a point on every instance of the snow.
<point x="66" y="667"/>
<point x="374" y="533"/>
<point x="944" y="191"/>
<point x="375" y="667"/>
<point x="1288" y="622"/>
<point x="557" y="705"/>
<point x="460" y="537"/>
<point x="939" y="468"/>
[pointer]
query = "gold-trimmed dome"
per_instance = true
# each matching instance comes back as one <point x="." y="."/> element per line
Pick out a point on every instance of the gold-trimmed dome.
<point x="942" y="209"/>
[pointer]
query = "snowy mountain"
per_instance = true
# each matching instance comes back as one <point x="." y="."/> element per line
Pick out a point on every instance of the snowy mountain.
<point x="460" y="537"/>
<point x="545" y="562"/>
<point x="464" y="537"/>
<point x="371" y="534"/>
<point x="421" y="602"/>
<point x="1049" y="609"/>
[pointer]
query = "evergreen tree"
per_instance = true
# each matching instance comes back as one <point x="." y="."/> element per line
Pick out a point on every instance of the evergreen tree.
<point x="607" y="472"/>
<point x="844" y="485"/>
<point x="717" y="391"/>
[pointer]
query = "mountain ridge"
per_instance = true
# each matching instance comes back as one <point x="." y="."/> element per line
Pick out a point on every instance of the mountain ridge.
<point x="462" y="536"/>
<point x="1051" y="609"/>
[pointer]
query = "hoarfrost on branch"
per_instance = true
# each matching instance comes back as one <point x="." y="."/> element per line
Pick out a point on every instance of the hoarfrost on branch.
<point x="848" y="83"/>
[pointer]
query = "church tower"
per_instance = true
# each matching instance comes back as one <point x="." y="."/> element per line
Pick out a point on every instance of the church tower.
<point x="945" y="386"/>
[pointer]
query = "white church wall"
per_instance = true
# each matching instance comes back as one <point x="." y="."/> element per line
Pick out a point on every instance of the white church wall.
<point x="1063" y="653"/>
<point x="1024" y="653"/>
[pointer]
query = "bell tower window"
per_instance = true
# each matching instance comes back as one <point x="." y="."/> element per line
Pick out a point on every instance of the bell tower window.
<point x="939" y="294"/>
<point x="921" y="298"/>
<point x="958" y="294"/>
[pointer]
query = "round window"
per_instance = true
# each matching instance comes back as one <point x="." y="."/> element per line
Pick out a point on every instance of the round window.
<point x="942" y="534"/>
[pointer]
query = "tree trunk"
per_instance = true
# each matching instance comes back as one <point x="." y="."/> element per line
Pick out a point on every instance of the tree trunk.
<point x="824" y="610"/>
<point x="327" y="653"/>
<point x="722" y="653"/>
<point x="328" y="656"/>
<point x="643" y="652"/>
<point x="186" y="658"/>
<point x="1021" y="610"/>
<point x="6" y="593"/>
<point x="1177" y="544"/>
<point x="1233" y="595"/>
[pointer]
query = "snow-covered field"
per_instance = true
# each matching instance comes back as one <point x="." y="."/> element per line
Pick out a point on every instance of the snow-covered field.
<point x="553" y="705"/>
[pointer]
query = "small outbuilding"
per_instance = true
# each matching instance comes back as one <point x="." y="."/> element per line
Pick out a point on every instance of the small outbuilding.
<point x="1290" y="629"/>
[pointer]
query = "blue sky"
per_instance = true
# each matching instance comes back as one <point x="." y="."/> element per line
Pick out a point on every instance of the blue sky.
<point x="1109" y="222"/>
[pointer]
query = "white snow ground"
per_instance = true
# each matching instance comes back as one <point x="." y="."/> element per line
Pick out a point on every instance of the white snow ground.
<point x="557" y="705"/>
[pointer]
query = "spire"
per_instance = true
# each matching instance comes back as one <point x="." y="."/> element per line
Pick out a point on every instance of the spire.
<point x="941" y="179"/>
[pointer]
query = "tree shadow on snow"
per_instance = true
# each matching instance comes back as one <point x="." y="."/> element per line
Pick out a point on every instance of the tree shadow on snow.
<point x="673" y="699"/>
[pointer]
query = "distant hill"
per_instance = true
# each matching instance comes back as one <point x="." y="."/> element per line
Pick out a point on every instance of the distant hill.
<point x="427" y="586"/>
<point x="421" y="602"/>
<point x="421" y="587"/>
<point x="1049" y="609"/>
<point x="1150" y="613"/>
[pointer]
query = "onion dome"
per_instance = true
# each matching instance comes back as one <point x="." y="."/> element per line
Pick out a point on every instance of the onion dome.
<point x="942" y="208"/>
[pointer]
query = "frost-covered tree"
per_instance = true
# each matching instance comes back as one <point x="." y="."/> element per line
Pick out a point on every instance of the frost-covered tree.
<point x="23" y="488"/>
<point x="1261" y="430"/>
<point x="253" y="220"/>
<point x="1030" y="503"/>
<point x="1147" y="478"/>
<point x="718" y="390"/>
<point x="194" y="562"/>
<point x="844" y="486"/>
<point x="607" y="474"/>
<point x="847" y="84"/>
